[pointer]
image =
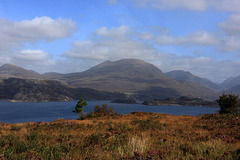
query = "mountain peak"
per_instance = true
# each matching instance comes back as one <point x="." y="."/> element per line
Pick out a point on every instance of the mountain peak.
<point x="127" y="67"/>
<point x="14" y="70"/>
<point x="8" y="65"/>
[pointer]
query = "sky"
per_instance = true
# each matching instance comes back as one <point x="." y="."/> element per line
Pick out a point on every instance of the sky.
<point x="199" y="36"/>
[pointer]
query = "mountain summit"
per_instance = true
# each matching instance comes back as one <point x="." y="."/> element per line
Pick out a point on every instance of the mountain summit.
<point x="16" y="71"/>
<point x="133" y="68"/>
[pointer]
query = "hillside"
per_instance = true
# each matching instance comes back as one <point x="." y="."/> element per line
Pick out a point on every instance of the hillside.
<point x="138" y="135"/>
<point x="234" y="90"/>
<point x="18" y="72"/>
<point x="231" y="82"/>
<point x="32" y="90"/>
<point x="189" y="77"/>
<point x="133" y="76"/>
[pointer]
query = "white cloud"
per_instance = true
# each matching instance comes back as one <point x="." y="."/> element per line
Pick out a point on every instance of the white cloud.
<point x="197" y="38"/>
<point x="198" y="5"/>
<point x="225" y="5"/>
<point x="32" y="55"/>
<point x="42" y="28"/>
<point x="205" y="67"/>
<point x="112" y="2"/>
<point x="110" y="44"/>
<point x="15" y="33"/>
<point x="231" y="26"/>
<point x="120" y="32"/>
<point x="230" y="44"/>
<point x="37" y="59"/>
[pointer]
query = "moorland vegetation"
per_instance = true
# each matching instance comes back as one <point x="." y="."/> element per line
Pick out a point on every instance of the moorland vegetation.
<point x="104" y="134"/>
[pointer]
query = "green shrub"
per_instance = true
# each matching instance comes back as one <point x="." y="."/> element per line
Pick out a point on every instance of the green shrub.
<point x="228" y="104"/>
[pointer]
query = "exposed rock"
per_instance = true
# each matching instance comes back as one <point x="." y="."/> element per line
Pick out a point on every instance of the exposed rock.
<point x="29" y="90"/>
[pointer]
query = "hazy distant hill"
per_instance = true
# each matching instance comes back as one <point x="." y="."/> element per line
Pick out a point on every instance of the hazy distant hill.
<point x="134" y="76"/>
<point x="16" y="71"/>
<point x="32" y="90"/>
<point x="234" y="90"/>
<point x="231" y="82"/>
<point x="189" y="77"/>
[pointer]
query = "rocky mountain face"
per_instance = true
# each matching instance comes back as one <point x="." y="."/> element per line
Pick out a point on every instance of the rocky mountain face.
<point x="189" y="77"/>
<point x="32" y="90"/>
<point x="133" y="76"/>
<point x="231" y="82"/>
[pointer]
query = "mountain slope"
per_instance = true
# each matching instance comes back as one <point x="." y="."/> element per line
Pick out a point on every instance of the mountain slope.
<point x="134" y="76"/>
<point x="16" y="71"/>
<point x="32" y="90"/>
<point x="189" y="77"/>
<point x="231" y="82"/>
<point x="234" y="90"/>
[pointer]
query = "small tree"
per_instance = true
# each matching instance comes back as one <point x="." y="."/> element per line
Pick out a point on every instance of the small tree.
<point x="228" y="104"/>
<point x="103" y="110"/>
<point x="79" y="109"/>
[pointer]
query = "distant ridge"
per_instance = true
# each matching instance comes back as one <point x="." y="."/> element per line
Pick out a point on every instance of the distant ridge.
<point x="181" y="75"/>
<point x="16" y="71"/>
<point x="231" y="82"/>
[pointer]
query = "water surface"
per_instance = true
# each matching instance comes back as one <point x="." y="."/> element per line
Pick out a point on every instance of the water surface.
<point x="18" y="112"/>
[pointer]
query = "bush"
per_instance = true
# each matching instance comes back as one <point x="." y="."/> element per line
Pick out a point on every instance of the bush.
<point x="79" y="109"/>
<point x="228" y="104"/>
<point x="103" y="110"/>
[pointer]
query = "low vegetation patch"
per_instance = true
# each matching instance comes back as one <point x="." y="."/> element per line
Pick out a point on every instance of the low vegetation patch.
<point x="107" y="135"/>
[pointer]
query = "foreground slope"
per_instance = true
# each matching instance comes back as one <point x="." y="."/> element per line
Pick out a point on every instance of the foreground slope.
<point x="134" y="136"/>
<point x="136" y="77"/>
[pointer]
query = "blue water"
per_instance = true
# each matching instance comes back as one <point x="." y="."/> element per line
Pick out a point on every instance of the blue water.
<point x="18" y="112"/>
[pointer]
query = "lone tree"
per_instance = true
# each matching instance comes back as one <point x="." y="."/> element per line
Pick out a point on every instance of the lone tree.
<point x="228" y="104"/>
<point x="79" y="109"/>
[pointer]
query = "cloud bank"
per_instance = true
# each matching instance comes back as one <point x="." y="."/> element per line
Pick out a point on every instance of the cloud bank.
<point x="15" y="33"/>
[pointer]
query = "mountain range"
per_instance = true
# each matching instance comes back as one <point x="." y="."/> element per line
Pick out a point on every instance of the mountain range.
<point x="132" y="77"/>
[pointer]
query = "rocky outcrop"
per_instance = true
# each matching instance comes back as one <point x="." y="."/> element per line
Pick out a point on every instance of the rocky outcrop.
<point x="30" y="90"/>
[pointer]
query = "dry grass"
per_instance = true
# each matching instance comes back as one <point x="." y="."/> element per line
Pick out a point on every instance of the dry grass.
<point x="137" y="135"/>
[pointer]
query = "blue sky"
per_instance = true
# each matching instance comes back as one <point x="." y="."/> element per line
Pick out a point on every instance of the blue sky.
<point x="201" y="36"/>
